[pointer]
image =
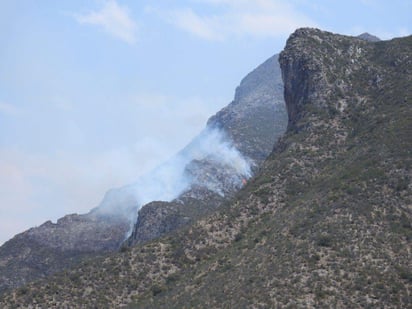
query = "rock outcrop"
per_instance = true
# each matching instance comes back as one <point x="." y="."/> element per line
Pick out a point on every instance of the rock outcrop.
<point x="368" y="37"/>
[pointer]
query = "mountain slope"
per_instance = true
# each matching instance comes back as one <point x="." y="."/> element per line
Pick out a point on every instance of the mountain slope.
<point x="51" y="247"/>
<point x="333" y="224"/>
<point x="198" y="179"/>
<point x="252" y="123"/>
<point x="329" y="219"/>
<point x="325" y="223"/>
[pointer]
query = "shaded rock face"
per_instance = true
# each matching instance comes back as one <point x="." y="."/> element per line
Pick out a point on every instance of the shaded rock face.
<point x="311" y="81"/>
<point x="252" y="123"/>
<point x="158" y="218"/>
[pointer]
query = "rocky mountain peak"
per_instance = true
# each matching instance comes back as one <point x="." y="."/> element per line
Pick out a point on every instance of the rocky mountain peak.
<point x="368" y="37"/>
<point x="311" y="73"/>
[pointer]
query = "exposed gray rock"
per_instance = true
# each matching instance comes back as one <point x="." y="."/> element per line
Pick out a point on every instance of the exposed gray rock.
<point x="368" y="37"/>
<point x="257" y="116"/>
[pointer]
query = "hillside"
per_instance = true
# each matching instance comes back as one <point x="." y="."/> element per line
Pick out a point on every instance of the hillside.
<point x="207" y="172"/>
<point x="252" y="123"/>
<point x="326" y="223"/>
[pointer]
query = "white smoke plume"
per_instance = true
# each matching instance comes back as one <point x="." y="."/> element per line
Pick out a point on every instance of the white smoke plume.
<point x="213" y="143"/>
<point x="170" y="179"/>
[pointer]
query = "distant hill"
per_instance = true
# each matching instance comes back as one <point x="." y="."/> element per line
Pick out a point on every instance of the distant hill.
<point x="368" y="37"/>
<point x="325" y="222"/>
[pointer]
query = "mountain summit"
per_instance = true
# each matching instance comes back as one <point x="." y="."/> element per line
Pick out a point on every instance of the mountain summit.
<point x="368" y="37"/>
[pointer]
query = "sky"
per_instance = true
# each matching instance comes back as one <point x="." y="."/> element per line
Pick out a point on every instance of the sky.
<point x="95" y="93"/>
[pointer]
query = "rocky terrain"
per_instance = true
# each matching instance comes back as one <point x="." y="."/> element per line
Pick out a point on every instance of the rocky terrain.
<point x="368" y="37"/>
<point x="326" y="222"/>
<point x="41" y="251"/>
<point x="244" y="132"/>
<point x="248" y="120"/>
<point x="252" y="123"/>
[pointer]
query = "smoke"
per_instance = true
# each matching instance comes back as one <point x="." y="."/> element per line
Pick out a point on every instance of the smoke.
<point x="210" y="161"/>
<point x="213" y="144"/>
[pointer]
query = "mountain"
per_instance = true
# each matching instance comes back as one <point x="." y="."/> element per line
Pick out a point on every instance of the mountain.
<point x="51" y="247"/>
<point x="368" y="37"/>
<point x="252" y="123"/>
<point x="248" y="120"/>
<point x="325" y="223"/>
<point x="194" y="182"/>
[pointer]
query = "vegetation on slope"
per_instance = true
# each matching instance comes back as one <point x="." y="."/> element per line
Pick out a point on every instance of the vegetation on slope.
<point x="326" y="223"/>
<point x="252" y="122"/>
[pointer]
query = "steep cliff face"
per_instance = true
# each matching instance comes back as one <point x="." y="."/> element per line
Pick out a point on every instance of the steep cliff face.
<point x="325" y="224"/>
<point x="243" y="134"/>
<point x="320" y="87"/>
<point x="257" y="116"/>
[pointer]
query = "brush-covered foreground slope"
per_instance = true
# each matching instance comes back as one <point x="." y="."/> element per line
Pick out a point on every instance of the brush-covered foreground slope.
<point x="257" y="116"/>
<point x="325" y="224"/>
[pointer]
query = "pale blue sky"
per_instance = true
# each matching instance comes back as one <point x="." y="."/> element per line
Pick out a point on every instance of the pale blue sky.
<point x="95" y="93"/>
